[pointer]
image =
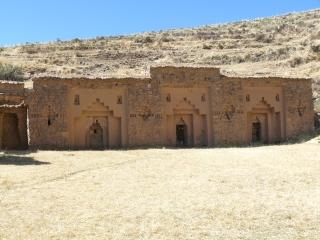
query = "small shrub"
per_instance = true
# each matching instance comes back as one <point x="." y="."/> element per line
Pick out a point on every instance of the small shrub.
<point x="100" y="38"/>
<point x="31" y="51"/>
<point x="280" y="28"/>
<point x="259" y="37"/>
<point x="265" y="38"/>
<point x="237" y="36"/>
<point x="283" y="51"/>
<point x="10" y="73"/>
<point x="76" y="40"/>
<point x="238" y="59"/>
<point x="166" y="39"/>
<point x="295" y="61"/>
<point x="78" y="54"/>
<point x="207" y="47"/>
<point x="220" y="46"/>
<point x="147" y="39"/>
<point x="226" y="59"/>
<point x="204" y="35"/>
<point x="82" y="46"/>
<point x="315" y="47"/>
<point x="315" y="36"/>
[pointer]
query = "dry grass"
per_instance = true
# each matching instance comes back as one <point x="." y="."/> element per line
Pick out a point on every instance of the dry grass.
<point x="283" y="46"/>
<point x="269" y="192"/>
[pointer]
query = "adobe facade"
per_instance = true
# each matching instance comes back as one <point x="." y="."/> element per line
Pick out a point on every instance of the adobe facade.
<point x="175" y="107"/>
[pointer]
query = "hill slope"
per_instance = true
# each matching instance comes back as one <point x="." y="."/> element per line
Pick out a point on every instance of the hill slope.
<point x="284" y="46"/>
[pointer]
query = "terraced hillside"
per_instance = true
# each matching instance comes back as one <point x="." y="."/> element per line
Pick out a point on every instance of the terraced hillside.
<point x="284" y="46"/>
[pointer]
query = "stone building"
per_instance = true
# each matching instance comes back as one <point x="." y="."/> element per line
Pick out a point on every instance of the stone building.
<point x="13" y="116"/>
<point x="175" y="107"/>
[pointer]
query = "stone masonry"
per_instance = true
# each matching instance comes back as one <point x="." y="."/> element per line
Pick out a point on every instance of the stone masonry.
<point x="175" y="107"/>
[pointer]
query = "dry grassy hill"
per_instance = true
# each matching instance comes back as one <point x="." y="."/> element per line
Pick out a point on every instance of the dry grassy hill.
<point x="284" y="46"/>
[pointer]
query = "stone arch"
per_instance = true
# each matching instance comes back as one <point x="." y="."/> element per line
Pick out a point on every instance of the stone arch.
<point x="186" y="126"/>
<point x="102" y="127"/>
<point x="95" y="136"/>
<point x="181" y="133"/>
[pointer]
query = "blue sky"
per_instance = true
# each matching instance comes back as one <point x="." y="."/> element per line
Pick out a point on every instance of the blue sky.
<point x="42" y="21"/>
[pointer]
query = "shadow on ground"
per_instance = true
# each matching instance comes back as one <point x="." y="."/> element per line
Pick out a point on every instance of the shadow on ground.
<point x="19" y="160"/>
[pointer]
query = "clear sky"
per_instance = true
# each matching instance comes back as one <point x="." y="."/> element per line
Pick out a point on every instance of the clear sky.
<point x="47" y="20"/>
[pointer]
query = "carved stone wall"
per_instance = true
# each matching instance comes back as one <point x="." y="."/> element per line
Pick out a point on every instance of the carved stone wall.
<point x="299" y="107"/>
<point x="144" y="112"/>
<point x="228" y="116"/>
<point x="145" y="122"/>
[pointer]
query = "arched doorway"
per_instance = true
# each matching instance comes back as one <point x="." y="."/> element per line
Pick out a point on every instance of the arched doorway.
<point x="181" y="134"/>
<point x="256" y="131"/>
<point x="263" y="124"/>
<point x="10" y="132"/>
<point x="95" y="136"/>
<point x="96" y="127"/>
<point x="186" y="126"/>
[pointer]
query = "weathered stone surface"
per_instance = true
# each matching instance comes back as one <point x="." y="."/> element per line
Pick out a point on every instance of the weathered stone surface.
<point x="13" y="116"/>
<point x="176" y="106"/>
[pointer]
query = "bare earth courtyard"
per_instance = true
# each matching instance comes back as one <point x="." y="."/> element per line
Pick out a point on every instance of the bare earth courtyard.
<point x="269" y="192"/>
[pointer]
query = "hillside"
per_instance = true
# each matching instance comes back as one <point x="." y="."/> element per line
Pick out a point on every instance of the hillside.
<point x="284" y="46"/>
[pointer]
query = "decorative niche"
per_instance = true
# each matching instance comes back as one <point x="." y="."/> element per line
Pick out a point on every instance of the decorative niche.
<point x="119" y="100"/>
<point x="168" y="98"/>
<point x="76" y="100"/>
<point x="203" y="98"/>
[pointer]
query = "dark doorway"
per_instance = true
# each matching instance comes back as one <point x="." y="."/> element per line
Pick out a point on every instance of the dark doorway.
<point x="10" y="132"/>
<point x="95" y="137"/>
<point x="256" y="132"/>
<point x="181" y="135"/>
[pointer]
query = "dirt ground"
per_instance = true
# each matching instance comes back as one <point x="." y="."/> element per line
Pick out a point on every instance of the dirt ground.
<point x="269" y="192"/>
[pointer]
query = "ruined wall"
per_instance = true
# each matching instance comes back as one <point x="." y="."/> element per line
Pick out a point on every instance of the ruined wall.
<point x="13" y="116"/>
<point x="228" y="116"/>
<point x="13" y="128"/>
<point x="145" y="119"/>
<point x="12" y="87"/>
<point x="47" y="111"/>
<point x="11" y="92"/>
<point x="299" y="107"/>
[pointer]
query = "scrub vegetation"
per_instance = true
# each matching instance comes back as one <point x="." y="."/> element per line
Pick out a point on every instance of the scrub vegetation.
<point x="10" y="73"/>
<point x="283" y="46"/>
